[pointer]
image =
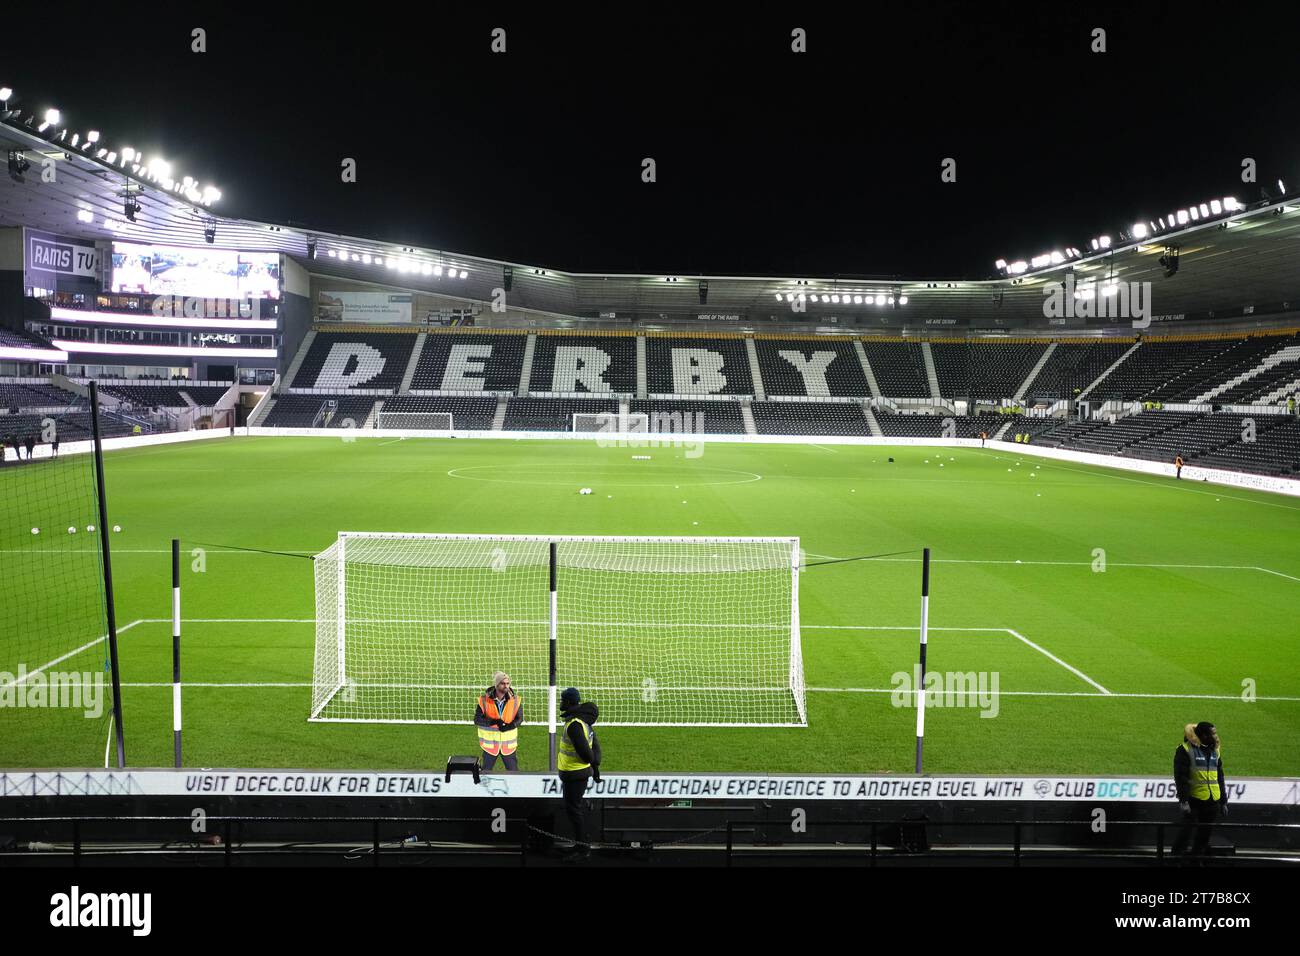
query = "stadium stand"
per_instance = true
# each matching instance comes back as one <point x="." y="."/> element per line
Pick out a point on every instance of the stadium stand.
<point x="1279" y="367"/>
<point x="1233" y="357"/>
<point x="12" y="338"/>
<point x="1158" y="364"/>
<point x="342" y="360"/>
<point x="685" y="366"/>
<point x="1275" y="450"/>
<point x="932" y="426"/>
<point x="470" y="362"/>
<point x="825" y="367"/>
<point x="983" y="370"/>
<point x="205" y="394"/>
<point x="584" y="363"/>
<point x="467" y="412"/>
<point x="551" y="414"/>
<point x="698" y="417"/>
<point x="153" y="396"/>
<point x="899" y="369"/>
<point x="19" y="396"/>
<point x="1074" y="366"/>
<point x="810" y="418"/>
<point x="308" y="411"/>
<point x="1234" y="369"/>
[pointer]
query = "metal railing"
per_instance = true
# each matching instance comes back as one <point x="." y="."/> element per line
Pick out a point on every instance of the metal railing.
<point x="719" y="842"/>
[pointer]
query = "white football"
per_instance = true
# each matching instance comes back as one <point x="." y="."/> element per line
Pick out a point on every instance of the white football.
<point x="72" y="531"/>
<point x="36" y="531"/>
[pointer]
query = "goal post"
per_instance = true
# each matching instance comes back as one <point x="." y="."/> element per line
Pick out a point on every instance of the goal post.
<point x="619" y="422"/>
<point x="657" y="631"/>
<point x="413" y="421"/>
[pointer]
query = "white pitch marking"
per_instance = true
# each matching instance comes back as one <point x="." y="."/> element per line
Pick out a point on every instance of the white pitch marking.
<point x="1054" y="693"/>
<point x="1278" y="573"/>
<point x="1072" y="564"/>
<point x="1048" y="654"/>
<point x="59" y="660"/>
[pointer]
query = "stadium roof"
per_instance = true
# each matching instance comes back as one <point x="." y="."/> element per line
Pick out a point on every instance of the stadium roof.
<point x="1232" y="265"/>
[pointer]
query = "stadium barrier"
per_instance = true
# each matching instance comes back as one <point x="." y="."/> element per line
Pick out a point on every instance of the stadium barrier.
<point x="1234" y="479"/>
<point x="532" y="785"/>
<point x="691" y="837"/>
<point x="42" y="451"/>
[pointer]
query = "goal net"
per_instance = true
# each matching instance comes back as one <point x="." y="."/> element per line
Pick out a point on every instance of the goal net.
<point x="611" y="422"/>
<point x="657" y="631"/>
<point x="429" y="421"/>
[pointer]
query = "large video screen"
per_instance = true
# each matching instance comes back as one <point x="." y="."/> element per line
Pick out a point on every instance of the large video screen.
<point x="186" y="271"/>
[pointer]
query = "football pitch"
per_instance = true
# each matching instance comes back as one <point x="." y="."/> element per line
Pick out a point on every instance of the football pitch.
<point x="1100" y="611"/>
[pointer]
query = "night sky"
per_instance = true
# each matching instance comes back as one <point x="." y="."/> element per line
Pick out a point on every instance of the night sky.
<point x="768" y="162"/>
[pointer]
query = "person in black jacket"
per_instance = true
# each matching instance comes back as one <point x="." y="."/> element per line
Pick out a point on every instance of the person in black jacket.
<point x="1199" y="782"/>
<point x="579" y="762"/>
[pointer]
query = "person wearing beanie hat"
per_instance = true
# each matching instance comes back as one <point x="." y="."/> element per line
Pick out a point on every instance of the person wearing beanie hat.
<point x="578" y="762"/>
<point x="1198" y="780"/>
<point x="499" y="713"/>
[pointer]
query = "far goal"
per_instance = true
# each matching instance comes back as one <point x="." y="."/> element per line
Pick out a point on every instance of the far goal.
<point x="657" y="631"/>
<point x="427" y="421"/>
<point x="611" y="422"/>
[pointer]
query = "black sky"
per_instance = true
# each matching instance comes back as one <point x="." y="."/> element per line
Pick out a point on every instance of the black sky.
<point x="768" y="162"/>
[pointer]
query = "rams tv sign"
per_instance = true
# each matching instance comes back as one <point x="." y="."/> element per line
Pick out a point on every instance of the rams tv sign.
<point x="60" y="257"/>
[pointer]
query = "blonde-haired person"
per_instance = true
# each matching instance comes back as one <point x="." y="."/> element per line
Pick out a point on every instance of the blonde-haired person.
<point x="498" y="715"/>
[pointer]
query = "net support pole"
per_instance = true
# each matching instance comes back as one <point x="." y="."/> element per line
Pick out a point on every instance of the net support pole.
<point x="176" y="651"/>
<point x="110" y="610"/>
<point x="555" y="621"/>
<point x="920" y="670"/>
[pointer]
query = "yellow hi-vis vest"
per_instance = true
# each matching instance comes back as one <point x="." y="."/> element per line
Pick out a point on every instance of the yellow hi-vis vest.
<point x="568" y="754"/>
<point x="1203" y="776"/>
<point x="493" y="741"/>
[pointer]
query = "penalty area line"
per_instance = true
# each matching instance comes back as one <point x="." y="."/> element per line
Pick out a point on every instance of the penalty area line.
<point x="59" y="660"/>
<point x="1050" y="656"/>
<point x="1055" y="693"/>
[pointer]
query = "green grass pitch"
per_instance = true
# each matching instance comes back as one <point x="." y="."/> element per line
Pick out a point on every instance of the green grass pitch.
<point x="1098" y="670"/>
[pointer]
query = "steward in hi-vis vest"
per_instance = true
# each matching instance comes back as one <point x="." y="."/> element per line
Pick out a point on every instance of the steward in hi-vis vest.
<point x="1198" y="780"/>
<point x="499" y="713"/>
<point x="578" y="761"/>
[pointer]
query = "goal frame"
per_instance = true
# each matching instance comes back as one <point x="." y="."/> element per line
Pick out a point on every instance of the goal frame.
<point x="622" y="423"/>
<point x="795" y="676"/>
<point x="380" y="426"/>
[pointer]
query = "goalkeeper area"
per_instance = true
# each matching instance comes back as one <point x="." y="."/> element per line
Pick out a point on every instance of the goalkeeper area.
<point x="408" y="624"/>
<point x="1103" y="610"/>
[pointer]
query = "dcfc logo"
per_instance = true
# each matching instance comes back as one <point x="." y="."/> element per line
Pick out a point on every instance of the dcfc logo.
<point x="77" y="909"/>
